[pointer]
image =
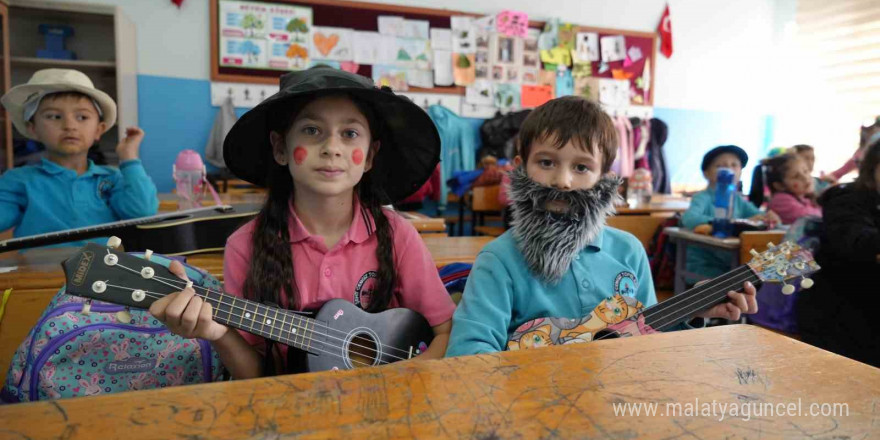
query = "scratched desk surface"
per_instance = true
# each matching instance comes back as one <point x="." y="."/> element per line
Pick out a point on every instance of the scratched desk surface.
<point x="560" y="392"/>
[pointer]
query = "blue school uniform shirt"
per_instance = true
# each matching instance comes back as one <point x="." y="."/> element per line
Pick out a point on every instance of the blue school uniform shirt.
<point x="501" y="293"/>
<point x="47" y="197"/>
<point x="702" y="211"/>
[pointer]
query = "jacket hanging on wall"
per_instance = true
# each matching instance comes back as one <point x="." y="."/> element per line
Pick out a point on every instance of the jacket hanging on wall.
<point x="222" y="124"/>
<point x="659" y="132"/>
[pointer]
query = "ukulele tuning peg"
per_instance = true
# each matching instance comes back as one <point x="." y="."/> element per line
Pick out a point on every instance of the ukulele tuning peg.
<point x="114" y="242"/>
<point x="147" y="254"/>
<point x="787" y="289"/>
<point x="806" y="283"/>
<point x="755" y="253"/>
<point x="87" y="307"/>
<point x="770" y="244"/>
<point x="123" y="315"/>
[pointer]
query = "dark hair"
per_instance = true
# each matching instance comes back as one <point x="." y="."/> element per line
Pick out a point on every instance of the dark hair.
<point x="570" y="118"/>
<point x="271" y="269"/>
<point x="72" y="94"/>
<point x="802" y="148"/>
<point x="770" y="171"/>
<point x="870" y="162"/>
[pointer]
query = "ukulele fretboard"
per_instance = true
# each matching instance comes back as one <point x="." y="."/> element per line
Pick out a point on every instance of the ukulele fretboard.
<point x="269" y="322"/>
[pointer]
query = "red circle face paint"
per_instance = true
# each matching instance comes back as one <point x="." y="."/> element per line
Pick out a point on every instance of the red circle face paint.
<point x="299" y="155"/>
<point x="357" y="156"/>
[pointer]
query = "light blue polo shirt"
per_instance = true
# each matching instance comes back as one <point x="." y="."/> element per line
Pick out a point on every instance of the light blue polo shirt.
<point x="47" y="197"/>
<point x="501" y="293"/>
<point x="702" y="211"/>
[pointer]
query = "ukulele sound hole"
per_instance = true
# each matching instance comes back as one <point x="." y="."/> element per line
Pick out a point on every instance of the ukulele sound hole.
<point x="362" y="351"/>
<point x="606" y="334"/>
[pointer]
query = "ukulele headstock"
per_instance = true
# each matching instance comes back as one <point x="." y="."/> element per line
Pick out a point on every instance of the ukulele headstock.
<point x="782" y="263"/>
<point x="107" y="274"/>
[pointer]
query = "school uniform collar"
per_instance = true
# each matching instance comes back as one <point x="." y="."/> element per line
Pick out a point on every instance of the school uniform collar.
<point x="361" y="228"/>
<point x="596" y="244"/>
<point x="53" y="168"/>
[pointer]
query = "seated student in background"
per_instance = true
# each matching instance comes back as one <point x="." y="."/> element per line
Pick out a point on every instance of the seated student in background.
<point x="559" y="260"/>
<point x="808" y="154"/>
<point x="835" y="314"/>
<point x="62" y="109"/>
<point x="791" y="185"/>
<point x="702" y="209"/>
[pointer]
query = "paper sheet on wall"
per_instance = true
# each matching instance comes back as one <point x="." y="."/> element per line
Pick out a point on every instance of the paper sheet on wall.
<point x="479" y="93"/>
<point x="261" y="36"/>
<point x="587" y="46"/>
<point x="507" y="96"/>
<point x="557" y="55"/>
<point x="413" y="53"/>
<point x="535" y="96"/>
<point x="416" y="29"/>
<point x="512" y="23"/>
<point x="478" y="111"/>
<point x="530" y="76"/>
<point x="390" y="76"/>
<point x="587" y="86"/>
<point x="373" y="48"/>
<point x="443" y="68"/>
<point x="391" y="25"/>
<point x="420" y="78"/>
<point x="614" y="92"/>
<point x="331" y="43"/>
<point x="613" y="48"/>
<point x="564" y="83"/>
<point x="463" y="68"/>
<point x="441" y="39"/>
<point x="463" y="37"/>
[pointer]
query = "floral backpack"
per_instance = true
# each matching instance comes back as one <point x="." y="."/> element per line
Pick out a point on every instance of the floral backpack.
<point x="69" y="353"/>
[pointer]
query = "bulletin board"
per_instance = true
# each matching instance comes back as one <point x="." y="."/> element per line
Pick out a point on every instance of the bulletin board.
<point x="646" y="42"/>
<point x="363" y="16"/>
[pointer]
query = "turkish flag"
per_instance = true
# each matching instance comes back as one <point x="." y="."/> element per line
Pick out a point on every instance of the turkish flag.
<point x="177" y="3"/>
<point x="665" y="31"/>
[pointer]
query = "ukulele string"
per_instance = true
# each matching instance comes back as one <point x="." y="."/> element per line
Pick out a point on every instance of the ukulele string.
<point x="300" y="327"/>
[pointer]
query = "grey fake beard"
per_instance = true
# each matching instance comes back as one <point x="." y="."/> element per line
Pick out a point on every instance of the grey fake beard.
<point x="548" y="240"/>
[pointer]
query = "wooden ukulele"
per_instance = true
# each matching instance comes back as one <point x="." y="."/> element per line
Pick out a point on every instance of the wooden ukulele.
<point x="174" y="233"/>
<point x="340" y="336"/>
<point x="622" y="316"/>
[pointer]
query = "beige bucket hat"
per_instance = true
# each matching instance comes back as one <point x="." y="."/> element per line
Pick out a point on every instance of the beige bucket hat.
<point x="48" y="81"/>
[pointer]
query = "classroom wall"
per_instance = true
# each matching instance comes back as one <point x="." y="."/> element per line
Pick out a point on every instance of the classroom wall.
<point x="708" y="92"/>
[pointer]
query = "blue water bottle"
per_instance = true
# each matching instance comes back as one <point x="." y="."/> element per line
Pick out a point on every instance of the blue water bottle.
<point x="725" y="188"/>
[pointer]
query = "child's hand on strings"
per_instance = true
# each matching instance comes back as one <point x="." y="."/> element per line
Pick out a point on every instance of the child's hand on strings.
<point x="738" y="304"/>
<point x="185" y="313"/>
<point x="129" y="147"/>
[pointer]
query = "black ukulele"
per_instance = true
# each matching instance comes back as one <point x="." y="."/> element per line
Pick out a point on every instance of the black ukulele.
<point x="173" y="233"/>
<point x="340" y="336"/>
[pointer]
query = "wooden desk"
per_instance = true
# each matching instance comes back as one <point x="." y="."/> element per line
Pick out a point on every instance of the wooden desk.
<point x="425" y="224"/>
<point x="683" y="238"/>
<point x="560" y="392"/>
<point x="658" y="205"/>
<point x="168" y="201"/>
<point x="447" y="250"/>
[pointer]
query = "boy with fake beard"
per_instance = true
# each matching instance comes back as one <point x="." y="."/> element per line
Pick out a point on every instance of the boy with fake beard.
<point x="559" y="260"/>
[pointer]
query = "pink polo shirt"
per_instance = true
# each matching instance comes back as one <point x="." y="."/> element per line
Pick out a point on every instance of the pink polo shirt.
<point x="347" y="269"/>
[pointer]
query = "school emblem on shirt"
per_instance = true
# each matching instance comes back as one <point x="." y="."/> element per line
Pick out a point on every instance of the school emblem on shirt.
<point x="364" y="289"/>
<point x="104" y="188"/>
<point x="625" y="284"/>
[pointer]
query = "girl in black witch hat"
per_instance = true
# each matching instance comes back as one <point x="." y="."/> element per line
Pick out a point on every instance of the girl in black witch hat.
<point x="332" y="150"/>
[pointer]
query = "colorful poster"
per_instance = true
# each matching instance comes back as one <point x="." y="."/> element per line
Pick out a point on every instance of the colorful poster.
<point x="412" y="52"/>
<point x="264" y="35"/>
<point x="331" y="43"/>
<point x="390" y="76"/>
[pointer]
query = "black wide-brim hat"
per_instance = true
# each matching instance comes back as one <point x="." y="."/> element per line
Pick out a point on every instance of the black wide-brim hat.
<point x="409" y="147"/>
<point x="717" y="151"/>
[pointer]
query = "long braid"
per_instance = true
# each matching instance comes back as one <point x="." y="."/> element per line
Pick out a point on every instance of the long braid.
<point x="387" y="275"/>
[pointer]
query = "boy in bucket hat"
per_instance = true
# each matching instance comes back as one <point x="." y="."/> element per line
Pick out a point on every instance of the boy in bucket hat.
<point x="63" y="110"/>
